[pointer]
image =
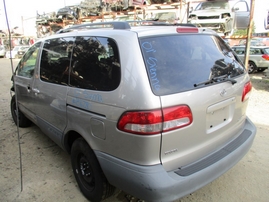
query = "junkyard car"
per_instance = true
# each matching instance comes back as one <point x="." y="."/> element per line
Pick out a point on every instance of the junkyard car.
<point x="21" y="51"/>
<point x="258" y="57"/>
<point x="222" y="16"/>
<point x="156" y="111"/>
<point x="67" y="13"/>
<point x="2" y="51"/>
<point x="14" y="52"/>
<point x="163" y="13"/>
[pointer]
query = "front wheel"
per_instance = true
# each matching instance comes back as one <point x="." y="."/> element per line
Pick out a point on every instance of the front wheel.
<point x="251" y="67"/>
<point x="23" y="120"/>
<point x="88" y="173"/>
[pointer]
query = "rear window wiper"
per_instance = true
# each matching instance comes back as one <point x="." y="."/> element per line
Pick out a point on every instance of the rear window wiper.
<point x="217" y="79"/>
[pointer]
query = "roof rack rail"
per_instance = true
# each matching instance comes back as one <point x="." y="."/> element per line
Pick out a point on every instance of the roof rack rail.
<point x="122" y="25"/>
<point x="114" y="24"/>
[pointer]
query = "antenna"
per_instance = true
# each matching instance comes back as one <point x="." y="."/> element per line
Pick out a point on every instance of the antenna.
<point x="12" y="68"/>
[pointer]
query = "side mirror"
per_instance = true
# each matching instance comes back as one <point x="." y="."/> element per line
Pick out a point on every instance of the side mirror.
<point x="235" y="9"/>
<point x="191" y="9"/>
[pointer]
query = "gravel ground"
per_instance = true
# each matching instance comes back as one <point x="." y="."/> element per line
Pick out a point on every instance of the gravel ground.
<point x="46" y="173"/>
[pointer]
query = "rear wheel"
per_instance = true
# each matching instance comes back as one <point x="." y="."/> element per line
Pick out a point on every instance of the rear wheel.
<point x="23" y="120"/>
<point x="251" y="67"/>
<point x="89" y="175"/>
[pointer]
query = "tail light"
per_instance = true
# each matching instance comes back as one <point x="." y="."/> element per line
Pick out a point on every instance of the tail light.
<point x="265" y="56"/>
<point x="246" y="91"/>
<point x="156" y="121"/>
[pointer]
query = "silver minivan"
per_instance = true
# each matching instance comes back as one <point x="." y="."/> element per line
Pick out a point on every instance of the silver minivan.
<point x="157" y="110"/>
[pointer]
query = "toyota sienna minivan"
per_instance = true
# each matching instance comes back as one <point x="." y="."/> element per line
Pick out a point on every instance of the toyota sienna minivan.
<point x="156" y="110"/>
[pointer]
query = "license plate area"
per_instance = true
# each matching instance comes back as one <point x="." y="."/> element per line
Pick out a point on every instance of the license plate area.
<point x="219" y="114"/>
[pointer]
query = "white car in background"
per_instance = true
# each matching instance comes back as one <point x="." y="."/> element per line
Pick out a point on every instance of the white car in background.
<point x="2" y="51"/>
<point x="14" y="52"/>
<point x="223" y="16"/>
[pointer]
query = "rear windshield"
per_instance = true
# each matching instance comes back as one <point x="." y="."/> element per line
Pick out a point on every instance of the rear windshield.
<point x="178" y="63"/>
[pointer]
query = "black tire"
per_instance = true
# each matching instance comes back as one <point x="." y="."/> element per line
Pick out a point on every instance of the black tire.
<point x="88" y="173"/>
<point x="23" y="120"/>
<point x="251" y="67"/>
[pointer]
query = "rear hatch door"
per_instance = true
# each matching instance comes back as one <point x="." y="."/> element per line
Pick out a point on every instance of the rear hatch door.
<point x="198" y="71"/>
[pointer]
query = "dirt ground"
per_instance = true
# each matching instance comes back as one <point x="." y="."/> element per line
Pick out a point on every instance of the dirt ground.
<point x="46" y="173"/>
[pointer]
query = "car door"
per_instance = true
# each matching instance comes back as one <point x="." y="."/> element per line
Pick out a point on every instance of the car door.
<point x="24" y="80"/>
<point x="51" y="87"/>
<point x="241" y="15"/>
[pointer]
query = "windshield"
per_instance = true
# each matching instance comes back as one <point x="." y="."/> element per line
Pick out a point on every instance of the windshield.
<point x="177" y="63"/>
<point x="213" y="5"/>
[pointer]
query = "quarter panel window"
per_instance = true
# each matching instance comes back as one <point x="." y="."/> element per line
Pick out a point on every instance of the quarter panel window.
<point x="95" y="64"/>
<point x="27" y="64"/>
<point x="55" y="60"/>
<point x="266" y="51"/>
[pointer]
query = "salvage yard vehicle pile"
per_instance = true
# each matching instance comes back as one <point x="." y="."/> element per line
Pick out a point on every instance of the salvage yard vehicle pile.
<point x="89" y="11"/>
<point x="222" y="16"/>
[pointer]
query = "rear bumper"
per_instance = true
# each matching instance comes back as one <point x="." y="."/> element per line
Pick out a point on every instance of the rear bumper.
<point x="153" y="183"/>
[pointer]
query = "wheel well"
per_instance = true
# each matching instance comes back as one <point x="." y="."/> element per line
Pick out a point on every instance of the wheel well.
<point x="252" y="62"/>
<point x="69" y="139"/>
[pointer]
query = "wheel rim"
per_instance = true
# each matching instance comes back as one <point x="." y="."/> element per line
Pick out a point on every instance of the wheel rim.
<point x="85" y="172"/>
<point x="250" y="68"/>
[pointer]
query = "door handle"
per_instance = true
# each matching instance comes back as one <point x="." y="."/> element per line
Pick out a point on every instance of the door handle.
<point x="36" y="91"/>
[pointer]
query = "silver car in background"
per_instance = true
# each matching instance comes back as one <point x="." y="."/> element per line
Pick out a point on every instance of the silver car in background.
<point x="156" y="110"/>
<point x="258" y="57"/>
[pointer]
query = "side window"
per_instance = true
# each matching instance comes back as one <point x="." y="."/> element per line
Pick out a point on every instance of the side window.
<point x="27" y="64"/>
<point x="257" y="52"/>
<point x="55" y="60"/>
<point x="95" y="64"/>
<point x="252" y="52"/>
<point x="240" y="51"/>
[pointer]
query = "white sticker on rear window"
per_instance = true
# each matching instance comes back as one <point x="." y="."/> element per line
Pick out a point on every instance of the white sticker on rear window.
<point x="151" y="65"/>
